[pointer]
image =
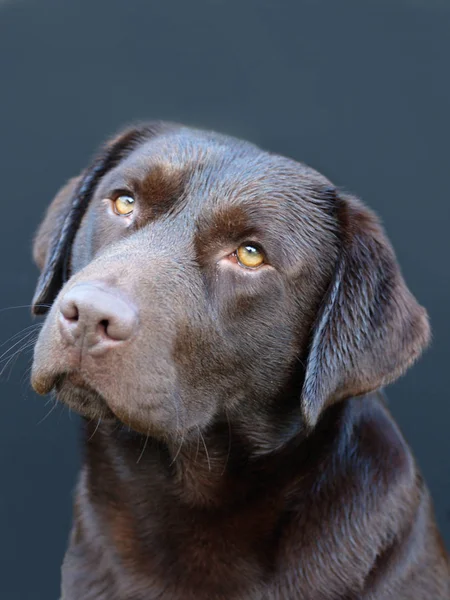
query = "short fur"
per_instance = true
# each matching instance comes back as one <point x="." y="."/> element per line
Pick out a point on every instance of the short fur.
<point x="237" y="446"/>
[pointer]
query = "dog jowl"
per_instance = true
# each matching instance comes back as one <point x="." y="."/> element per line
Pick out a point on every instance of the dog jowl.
<point x="224" y="319"/>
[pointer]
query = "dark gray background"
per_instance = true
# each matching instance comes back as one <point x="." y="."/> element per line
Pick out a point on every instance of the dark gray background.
<point x="360" y="90"/>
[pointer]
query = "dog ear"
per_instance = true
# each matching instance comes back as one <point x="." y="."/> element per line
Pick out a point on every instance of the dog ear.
<point x="53" y="222"/>
<point x="55" y="236"/>
<point x="370" y="327"/>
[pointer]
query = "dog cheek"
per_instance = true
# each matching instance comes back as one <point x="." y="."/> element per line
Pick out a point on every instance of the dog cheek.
<point x="202" y="364"/>
<point x="139" y="389"/>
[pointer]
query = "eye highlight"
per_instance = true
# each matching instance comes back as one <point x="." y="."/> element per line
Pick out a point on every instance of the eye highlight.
<point x="123" y="205"/>
<point x="250" y="256"/>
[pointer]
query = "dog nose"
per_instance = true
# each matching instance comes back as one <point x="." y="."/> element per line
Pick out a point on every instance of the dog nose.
<point x="96" y="317"/>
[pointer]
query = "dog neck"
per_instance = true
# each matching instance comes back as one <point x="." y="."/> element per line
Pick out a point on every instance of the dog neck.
<point x="212" y="468"/>
<point x="156" y="508"/>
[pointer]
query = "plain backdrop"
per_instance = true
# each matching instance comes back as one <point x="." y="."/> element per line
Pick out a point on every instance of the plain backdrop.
<point x="359" y="90"/>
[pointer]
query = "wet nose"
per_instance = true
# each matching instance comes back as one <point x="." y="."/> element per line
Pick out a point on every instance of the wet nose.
<point x="96" y="317"/>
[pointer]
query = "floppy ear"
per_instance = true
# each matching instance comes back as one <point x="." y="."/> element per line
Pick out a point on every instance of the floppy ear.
<point x="55" y="236"/>
<point x="53" y="222"/>
<point x="370" y="327"/>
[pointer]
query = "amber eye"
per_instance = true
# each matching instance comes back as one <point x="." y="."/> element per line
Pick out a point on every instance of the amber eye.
<point x="250" y="256"/>
<point x="123" y="205"/>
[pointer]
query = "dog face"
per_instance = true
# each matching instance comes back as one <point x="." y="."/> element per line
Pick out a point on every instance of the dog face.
<point x="194" y="279"/>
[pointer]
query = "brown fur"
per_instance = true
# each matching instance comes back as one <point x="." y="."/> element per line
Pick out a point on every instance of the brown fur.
<point x="237" y="446"/>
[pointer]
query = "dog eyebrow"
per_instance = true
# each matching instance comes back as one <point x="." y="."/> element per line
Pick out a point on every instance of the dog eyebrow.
<point x="163" y="180"/>
<point x="224" y="225"/>
<point x="162" y="187"/>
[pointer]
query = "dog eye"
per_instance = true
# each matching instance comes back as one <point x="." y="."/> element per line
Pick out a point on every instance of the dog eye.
<point x="123" y="205"/>
<point x="250" y="256"/>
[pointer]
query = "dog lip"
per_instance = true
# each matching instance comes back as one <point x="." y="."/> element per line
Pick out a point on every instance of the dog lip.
<point x="77" y="379"/>
<point x="90" y="405"/>
<point x="43" y="383"/>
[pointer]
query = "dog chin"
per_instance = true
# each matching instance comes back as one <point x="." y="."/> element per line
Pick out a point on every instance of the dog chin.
<point x="82" y="399"/>
<point x="73" y="391"/>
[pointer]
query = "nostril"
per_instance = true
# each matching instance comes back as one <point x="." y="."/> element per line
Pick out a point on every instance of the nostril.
<point x="74" y="316"/>
<point x="103" y="326"/>
<point x="70" y="311"/>
<point x="69" y="320"/>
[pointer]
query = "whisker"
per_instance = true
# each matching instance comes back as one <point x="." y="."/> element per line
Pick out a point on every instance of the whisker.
<point x="27" y="335"/>
<point x="95" y="430"/>
<point x="143" y="449"/>
<point x="55" y="404"/>
<point x="11" y="364"/>
<point x="28" y="344"/>
<point x="178" y="415"/>
<point x="229" y="443"/>
<point x="206" y="449"/>
<point x="301" y="362"/>
<point x="34" y="326"/>
<point x="26" y="374"/>
<point x="24" y="306"/>
<point x="27" y="341"/>
<point x="66" y="411"/>
<point x="179" y="449"/>
<point x="198" y="446"/>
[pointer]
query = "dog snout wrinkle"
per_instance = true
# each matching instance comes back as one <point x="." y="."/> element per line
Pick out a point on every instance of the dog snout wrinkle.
<point x="96" y="318"/>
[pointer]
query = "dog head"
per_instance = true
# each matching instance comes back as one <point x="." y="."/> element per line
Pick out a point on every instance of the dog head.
<point x="193" y="278"/>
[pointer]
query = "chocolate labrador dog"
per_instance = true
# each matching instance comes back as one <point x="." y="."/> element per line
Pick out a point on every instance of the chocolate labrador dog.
<point x="224" y="318"/>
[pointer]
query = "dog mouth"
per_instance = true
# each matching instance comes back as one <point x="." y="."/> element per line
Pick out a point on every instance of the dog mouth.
<point x="72" y="390"/>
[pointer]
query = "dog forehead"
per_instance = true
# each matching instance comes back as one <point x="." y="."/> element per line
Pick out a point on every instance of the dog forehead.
<point x="211" y="189"/>
<point x="203" y="168"/>
<point x="189" y="150"/>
